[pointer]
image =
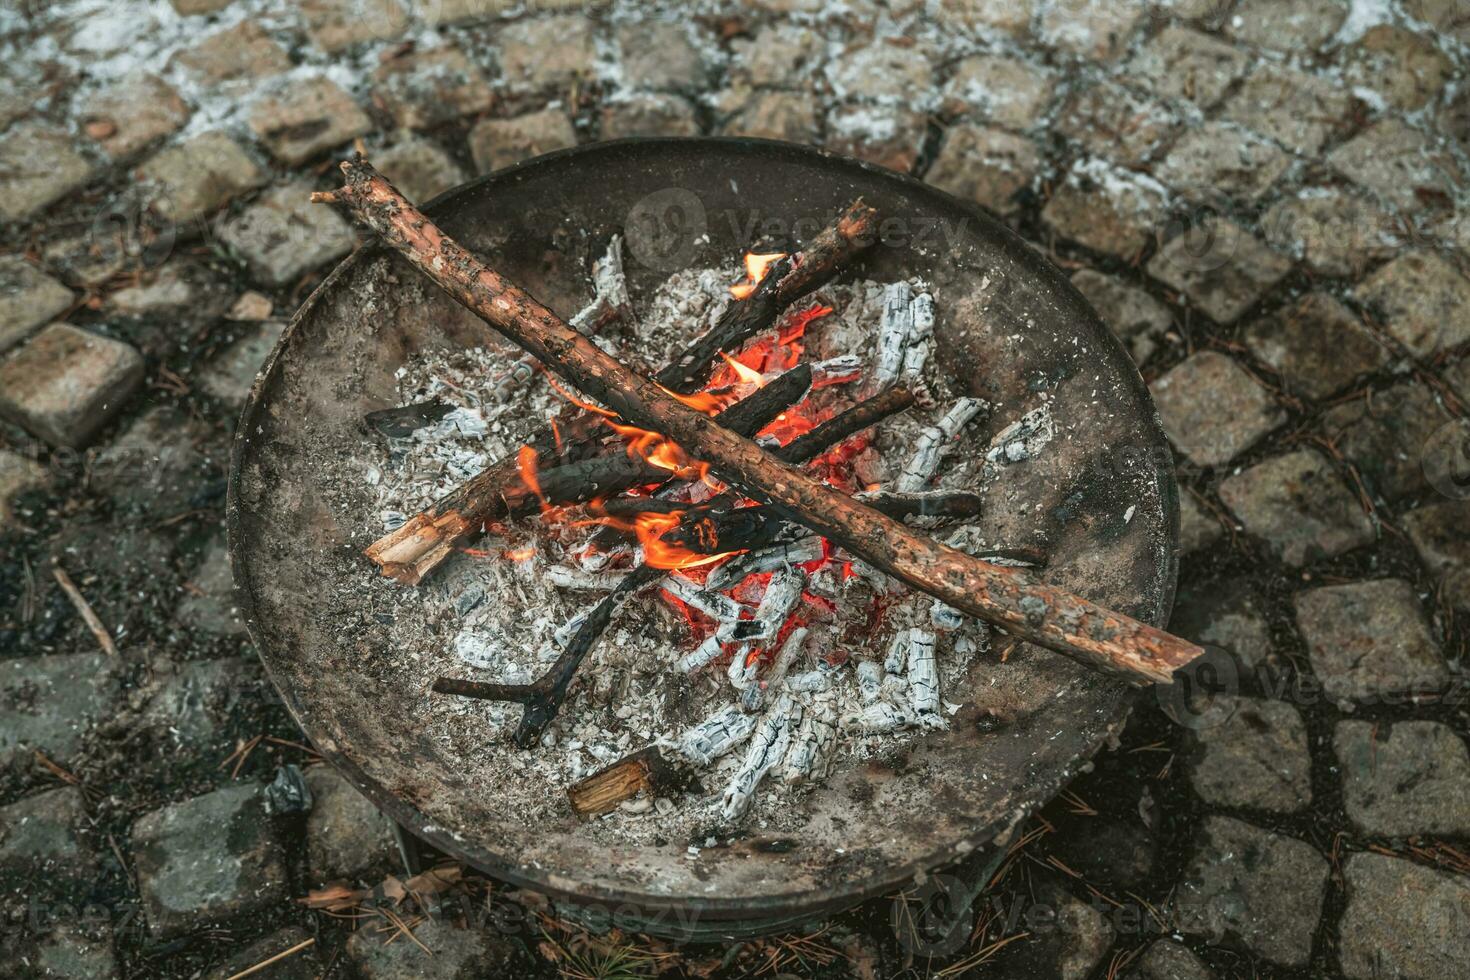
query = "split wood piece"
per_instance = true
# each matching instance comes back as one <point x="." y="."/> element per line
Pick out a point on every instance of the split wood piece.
<point x="1009" y="597"/>
<point x="421" y="543"/>
<point x="613" y="473"/>
<point x="544" y="696"/>
<point x="645" y="771"/>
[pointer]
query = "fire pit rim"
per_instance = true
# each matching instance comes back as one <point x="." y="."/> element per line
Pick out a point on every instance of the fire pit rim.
<point x="795" y="905"/>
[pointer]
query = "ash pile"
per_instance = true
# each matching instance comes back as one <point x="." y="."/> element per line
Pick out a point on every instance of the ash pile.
<point x="749" y="656"/>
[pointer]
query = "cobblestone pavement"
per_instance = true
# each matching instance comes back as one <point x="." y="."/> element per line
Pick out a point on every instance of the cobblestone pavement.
<point x="1265" y="199"/>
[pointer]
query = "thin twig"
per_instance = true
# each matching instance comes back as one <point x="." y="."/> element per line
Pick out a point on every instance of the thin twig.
<point x="83" y="608"/>
<point x="250" y="971"/>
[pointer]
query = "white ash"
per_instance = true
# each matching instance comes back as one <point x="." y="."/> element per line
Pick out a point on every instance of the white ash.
<point x="496" y="614"/>
<point x="1024" y="438"/>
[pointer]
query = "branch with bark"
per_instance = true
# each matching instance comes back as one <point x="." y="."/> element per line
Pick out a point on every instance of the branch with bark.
<point x="1011" y="598"/>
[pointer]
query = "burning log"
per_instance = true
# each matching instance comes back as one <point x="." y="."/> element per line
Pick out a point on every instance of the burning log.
<point x="782" y="594"/>
<point x="1008" y="597"/>
<point x="903" y="334"/>
<point x="413" y="550"/>
<point x="613" y="473"/>
<point x="716" y="735"/>
<point x="815" y="738"/>
<point x="645" y="771"/>
<point x="800" y="551"/>
<point x="768" y="746"/>
<point x="935" y="441"/>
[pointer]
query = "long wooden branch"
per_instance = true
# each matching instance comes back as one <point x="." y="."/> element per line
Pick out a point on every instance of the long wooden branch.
<point x="1008" y="597"/>
<point x="413" y="550"/>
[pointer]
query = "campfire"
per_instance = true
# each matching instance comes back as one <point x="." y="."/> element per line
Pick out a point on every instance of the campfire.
<point x="784" y="504"/>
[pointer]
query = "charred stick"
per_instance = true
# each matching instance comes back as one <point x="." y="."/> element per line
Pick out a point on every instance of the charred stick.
<point x="423" y="541"/>
<point x="543" y="697"/>
<point x="1008" y="597"/>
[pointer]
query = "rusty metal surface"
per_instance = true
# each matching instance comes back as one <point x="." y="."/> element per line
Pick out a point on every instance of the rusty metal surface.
<point x="1009" y="326"/>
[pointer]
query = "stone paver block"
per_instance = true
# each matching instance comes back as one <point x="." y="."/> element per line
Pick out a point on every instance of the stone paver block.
<point x="1182" y="63"/>
<point x="1219" y="158"/>
<point x="1448" y="16"/>
<point x="1299" y="505"/>
<point x="28" y="298"/>
<point x="497" y="143"/>
<point x="66" y="384"/>
<point x="283" y="235"/>
<point x="1225" y="614"/>
<point x="1222" y="268"/>
<point x="423" y="89"/>
<point x="306" y="118"/>
<point x="419" y="168"/>
<point x="547" y="53"/>
<point x="1398" y="163"/>
<point x="883" y="72"/>
<point x="49" y="703"/>
<point x="1335" y="231"/>
<point x="38" y="166"/>
<point x="1007" y="92"/>
<point x="1008" y="16"/>
<point x="211" y="859"/>
<point x="1170" y="960"/>
<point x="1404" y="778"/>
<point x="1118" y="123"/>
<point x="1403" y="920"/>
<point x="210" y="605"/>
<point x="1370" y="641"/>
<point x="172" y="287"/>
<point x="199" y="175"/>
<point x="346" y="836"/>
<point x="1198" y="528"/>
<point x="456" y="952"/>
<point x="1070" y="940"/>
<point x="660" y="55"/>
<point x="18" y="474"/>
<point x="985" y="165"/>
<point x="243" y="51"/>
<point x="771" y="115"/>
<point x="334" y="25"/>
<point x="1249" y="886"/>
<point x="40" y="839"/>
<point x="1096" y="31"/>
<point x="1299" y="110"/>
<point x="191" y="707"/>
<point x="1255" y="758"/>
<point x="1287" y="25"/>
<point x="656" y="114"/>
<point x="232" y="373"/>
<point x="154" y="469"/>
<point x="1408" y="70"/>
<point x="71" y="951"/>
<point x="779" y="56"/>
<point x="132" y="114"/>
<point x="1317" y="345"/>
<point x="1212" y="409"/>
<point x="887" y="135"/>
<point x="1438" y="534"/>
<point x="92" y="257"/>
<point x="1138" y="320"/>
<point x="1384" y="434"/>
<point x="1422" y="300"/>
<point x="1103" y="208"/>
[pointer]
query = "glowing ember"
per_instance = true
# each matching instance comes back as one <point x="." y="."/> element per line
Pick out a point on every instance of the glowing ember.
<point x="747" y="375"/>
<point x="757" y="264"/>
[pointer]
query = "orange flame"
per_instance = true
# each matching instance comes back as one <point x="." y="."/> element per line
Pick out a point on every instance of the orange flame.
<point x="526" y="466"/>
<point x="650" y="528"/>
<point x="747" y="375"/>
<point x="519" y="554"/>
<point x="757" y="264"/>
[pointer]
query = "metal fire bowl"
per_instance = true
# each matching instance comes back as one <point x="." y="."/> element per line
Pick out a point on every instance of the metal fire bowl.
<point x="1101" y="499"/>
